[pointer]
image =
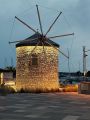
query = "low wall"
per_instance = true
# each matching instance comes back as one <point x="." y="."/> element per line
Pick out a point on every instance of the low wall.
<point x="84" y="88"/>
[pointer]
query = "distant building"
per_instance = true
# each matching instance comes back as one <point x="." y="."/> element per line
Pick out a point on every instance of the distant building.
<point x="5" y="75"/>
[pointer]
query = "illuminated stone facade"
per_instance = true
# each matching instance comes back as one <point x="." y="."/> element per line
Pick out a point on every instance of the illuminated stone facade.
<point x="43" y="74"/>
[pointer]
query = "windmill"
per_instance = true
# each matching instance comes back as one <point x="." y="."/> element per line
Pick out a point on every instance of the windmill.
<point x="29" y="73"/>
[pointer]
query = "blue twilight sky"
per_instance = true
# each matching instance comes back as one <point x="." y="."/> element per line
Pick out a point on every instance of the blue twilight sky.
<point x="75" y="18"/>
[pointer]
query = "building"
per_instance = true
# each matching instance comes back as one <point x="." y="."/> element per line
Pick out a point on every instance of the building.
<point x="5" y="75"/>
<point x="37" y="66"/>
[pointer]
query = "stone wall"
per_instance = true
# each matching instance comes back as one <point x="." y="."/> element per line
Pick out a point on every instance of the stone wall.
<point x="42" y="76"/>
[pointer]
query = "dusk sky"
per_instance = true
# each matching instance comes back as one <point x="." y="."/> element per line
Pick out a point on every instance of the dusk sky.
<point x="75" y="18"/>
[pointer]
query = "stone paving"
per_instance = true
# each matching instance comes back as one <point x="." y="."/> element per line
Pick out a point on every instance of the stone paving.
<point x="45" y="106"/>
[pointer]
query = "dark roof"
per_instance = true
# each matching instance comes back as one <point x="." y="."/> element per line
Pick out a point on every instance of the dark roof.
<point x="30" y="42"/>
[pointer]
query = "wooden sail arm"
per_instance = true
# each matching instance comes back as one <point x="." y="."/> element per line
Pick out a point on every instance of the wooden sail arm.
<point x="53" y="23"/>
<point x="10" y="42"/>
<point x="34" y="48"/>
<point x="39" y="19"/>
<point x="58" y="50"/>
<point x="26" y="24"/>
<point x="63" y="54"/>
<point x="61" y="35"/>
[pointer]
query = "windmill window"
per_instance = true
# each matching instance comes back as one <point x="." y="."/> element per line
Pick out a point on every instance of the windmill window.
<point x="34" y="60"/>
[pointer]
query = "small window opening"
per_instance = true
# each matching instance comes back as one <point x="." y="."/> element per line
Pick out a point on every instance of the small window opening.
<point x="34" y="60"/>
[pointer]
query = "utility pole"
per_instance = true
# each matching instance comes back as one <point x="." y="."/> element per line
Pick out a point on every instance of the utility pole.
<point x="84" y="60"/>
<point x="68" y="61"/>
<point x="11" y="62"/>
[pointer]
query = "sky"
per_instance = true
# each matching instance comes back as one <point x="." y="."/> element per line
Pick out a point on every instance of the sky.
<point x="75" y="18"/>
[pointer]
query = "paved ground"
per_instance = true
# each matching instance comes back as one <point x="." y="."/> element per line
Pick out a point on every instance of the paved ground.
<point x="48" y="106"/>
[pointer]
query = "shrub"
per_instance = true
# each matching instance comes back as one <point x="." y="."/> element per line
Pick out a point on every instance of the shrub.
<point x="6" y="89"/>
<point x="70" y="88"/>
<point x="38" y="90"/>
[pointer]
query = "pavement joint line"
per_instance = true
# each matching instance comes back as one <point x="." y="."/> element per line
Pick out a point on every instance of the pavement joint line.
<point x="14" y="106"/>
<point x="41" y="107"/>
<point x="81" y="103"/>
<point x="70" y="117"/>
<point x="20" y="111"/>
<point x="32" y="116"/>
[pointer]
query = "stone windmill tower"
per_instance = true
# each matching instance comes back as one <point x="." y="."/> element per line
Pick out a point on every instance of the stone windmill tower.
<point x="37" y="60"/>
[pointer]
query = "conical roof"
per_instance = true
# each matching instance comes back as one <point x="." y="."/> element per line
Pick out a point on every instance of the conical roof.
<point x="29" y="42"/>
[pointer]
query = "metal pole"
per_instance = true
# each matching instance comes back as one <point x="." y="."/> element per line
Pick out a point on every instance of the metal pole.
<point x="84" y="60"/>
<point x="68" y="62"/>
<point x="85" y="66"/>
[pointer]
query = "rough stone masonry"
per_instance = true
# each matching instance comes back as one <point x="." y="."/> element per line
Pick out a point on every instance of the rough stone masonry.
<point x="43" y="75"/>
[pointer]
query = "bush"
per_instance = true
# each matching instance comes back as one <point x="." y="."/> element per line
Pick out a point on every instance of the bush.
<point x="38" y="90"/>
<point x="70" y="88"/>
<point x="6" y="89"/>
